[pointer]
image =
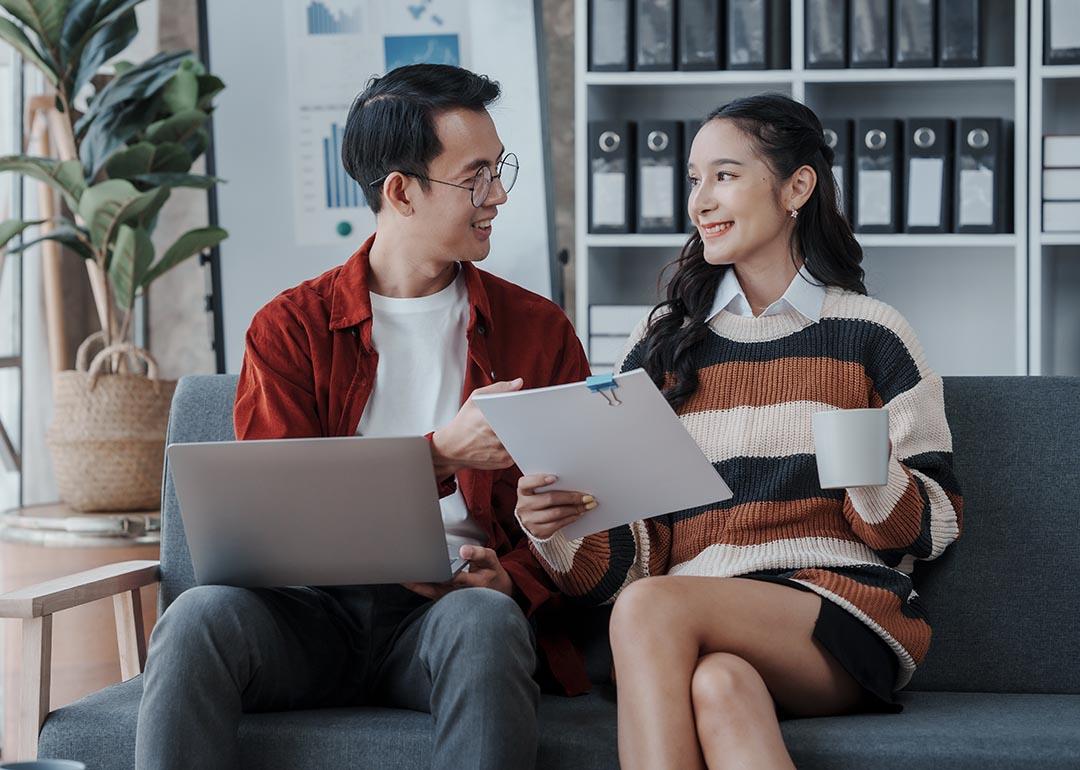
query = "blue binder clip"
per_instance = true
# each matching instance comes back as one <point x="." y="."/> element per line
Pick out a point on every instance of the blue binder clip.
<point x="605" y="385"/>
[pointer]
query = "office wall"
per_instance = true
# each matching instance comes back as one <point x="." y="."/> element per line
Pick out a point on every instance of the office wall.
<point x="179" y="327"/>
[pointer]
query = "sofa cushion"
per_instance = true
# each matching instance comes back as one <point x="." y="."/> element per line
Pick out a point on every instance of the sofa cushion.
<point x="936" y="731"/>
<point x="1001" y="604"/>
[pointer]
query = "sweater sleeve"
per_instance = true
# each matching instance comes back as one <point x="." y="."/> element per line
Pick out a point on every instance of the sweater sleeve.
<point x="919" y="511"/>
<point x="594" y="569"/>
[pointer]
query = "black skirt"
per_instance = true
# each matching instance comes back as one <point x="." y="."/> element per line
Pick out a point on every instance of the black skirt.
<point x="861" y="652"/>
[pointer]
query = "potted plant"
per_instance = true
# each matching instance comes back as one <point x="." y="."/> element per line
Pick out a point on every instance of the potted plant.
<point x="143" y="127"/>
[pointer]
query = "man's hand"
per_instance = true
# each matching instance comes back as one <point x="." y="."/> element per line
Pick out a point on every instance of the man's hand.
<point x="467" y="441"/>
<point x="485" y="571"/>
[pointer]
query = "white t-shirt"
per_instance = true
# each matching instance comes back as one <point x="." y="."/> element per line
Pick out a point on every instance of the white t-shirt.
<point x="423" y="352"/>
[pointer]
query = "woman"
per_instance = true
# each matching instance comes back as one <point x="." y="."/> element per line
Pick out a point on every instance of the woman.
<point x="788" y="598"/>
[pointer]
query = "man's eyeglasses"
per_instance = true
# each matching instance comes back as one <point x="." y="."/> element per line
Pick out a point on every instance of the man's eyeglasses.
<point x="506" y="171"/>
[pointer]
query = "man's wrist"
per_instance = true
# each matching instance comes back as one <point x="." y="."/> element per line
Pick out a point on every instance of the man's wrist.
<point x="444" y="467"/>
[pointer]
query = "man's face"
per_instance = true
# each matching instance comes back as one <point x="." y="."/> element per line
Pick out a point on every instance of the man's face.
<point x="444" y="215"/>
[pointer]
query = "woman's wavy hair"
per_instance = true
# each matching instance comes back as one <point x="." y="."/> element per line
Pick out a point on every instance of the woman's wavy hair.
<point x="786" y="135"/>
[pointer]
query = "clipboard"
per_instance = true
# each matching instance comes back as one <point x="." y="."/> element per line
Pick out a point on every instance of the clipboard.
<point x="612" y="436"/>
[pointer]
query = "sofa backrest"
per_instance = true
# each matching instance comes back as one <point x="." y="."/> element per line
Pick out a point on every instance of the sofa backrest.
<point x="202" y="410"/>
<point x="1003" y="600"/>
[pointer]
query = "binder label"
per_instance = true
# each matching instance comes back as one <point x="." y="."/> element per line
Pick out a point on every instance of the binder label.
<point x="976" y="196"/>
<point x="875" y="197"/>
<point x="925" y="181"/>
<point x="657" y="192"/>
<point x="609" y="198"/>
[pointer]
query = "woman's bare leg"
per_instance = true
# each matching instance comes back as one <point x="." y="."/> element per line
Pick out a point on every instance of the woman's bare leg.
<point x="664" y="629"/>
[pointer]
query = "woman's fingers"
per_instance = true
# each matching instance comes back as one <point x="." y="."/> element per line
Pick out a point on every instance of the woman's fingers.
<point x="527" y="485"/>
<point x="551" y="515"/>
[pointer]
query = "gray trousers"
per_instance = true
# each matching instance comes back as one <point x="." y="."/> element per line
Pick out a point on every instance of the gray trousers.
<point x="467" y="659"/>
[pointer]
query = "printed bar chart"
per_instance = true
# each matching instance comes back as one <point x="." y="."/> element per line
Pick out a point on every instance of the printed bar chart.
<point x="341" y="190"/>
<point x="321" y="21"/>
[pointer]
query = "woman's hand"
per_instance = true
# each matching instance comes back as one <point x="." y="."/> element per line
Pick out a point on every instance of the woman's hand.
<point x="545" y="513"/>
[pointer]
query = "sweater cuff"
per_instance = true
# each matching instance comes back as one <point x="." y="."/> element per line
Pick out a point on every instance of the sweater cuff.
<point x="874" y="504"/>
<point x="557" y="550"/>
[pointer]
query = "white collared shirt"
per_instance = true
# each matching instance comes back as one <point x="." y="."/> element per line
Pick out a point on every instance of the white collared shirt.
<point x="804" y="295"/>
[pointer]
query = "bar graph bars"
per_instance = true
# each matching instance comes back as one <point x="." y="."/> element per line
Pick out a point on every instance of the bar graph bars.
<point x="342" y="191"/>
<point x="322" y="21"/>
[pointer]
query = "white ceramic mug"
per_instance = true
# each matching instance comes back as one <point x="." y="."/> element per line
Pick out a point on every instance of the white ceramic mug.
<point x="852" y="447"/>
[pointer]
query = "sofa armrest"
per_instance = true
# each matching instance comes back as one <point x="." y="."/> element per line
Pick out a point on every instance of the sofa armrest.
<point x="35" y="605"/>
<point x="63" y="593"/>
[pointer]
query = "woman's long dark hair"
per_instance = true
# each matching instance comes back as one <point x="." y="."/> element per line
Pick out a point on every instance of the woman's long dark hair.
<point x="787" y="135"/>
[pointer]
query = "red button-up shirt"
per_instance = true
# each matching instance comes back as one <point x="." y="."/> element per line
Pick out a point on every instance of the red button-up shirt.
<point x="309" y="369"/>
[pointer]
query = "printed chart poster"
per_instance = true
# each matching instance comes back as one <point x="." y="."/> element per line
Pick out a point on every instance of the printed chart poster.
<point x="333" y="47"/>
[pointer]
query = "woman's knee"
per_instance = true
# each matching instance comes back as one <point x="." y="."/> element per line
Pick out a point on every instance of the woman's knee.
<point x="723" y="682"/>
<point x="646" y="607"/>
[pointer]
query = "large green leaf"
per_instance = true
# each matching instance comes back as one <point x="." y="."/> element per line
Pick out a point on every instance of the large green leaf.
<point x="106" y="43"/>
<point x="209" y="87"/>
<point x="63" y="176"/>
<point x="177" y="180"/>
<point x="84" y="20"/>
<point x="67" y="235"/>
<point x="131" y="257"/>
<point x="13" y="227"/>
<point x="115" y="202"/>
<point x="44" y="17"/>
<point x="140" y="82"/>
<point x="144" y="159"/>
<point x="187" y="245"/>
<point x="111" y="131"/>
<point x="15" y="37"/>
<point x="177" y="128"/>
<point x="182" y="92"/>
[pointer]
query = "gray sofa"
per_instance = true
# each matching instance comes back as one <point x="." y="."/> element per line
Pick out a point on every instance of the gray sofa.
<point x="1000" y="688"/>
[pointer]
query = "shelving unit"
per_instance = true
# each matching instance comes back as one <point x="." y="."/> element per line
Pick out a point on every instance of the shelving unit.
<point x="975" y="286"/>
<point x="1054" y="258"/>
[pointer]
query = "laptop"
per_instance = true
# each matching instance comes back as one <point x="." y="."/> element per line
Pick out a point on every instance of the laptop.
<point x="312" y="512"/>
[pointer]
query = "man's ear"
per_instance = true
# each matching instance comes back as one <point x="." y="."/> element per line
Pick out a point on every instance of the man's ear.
<point x="395" y="191"/>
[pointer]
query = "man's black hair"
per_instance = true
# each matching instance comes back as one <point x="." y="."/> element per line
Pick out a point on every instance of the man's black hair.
<point x="391" y="124"/>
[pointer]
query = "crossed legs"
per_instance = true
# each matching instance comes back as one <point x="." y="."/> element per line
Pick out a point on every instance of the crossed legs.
<point x="702" y="664"/>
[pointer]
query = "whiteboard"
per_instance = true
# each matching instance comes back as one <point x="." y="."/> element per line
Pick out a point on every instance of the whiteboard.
<point x="291" y="69"/>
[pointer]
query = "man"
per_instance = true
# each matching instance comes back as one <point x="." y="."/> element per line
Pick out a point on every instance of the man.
<point x="391" y="343"/>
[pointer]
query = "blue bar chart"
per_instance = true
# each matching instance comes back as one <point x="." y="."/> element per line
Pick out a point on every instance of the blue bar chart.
<point x="342" y="191"/>
<point x="322" y="21"/>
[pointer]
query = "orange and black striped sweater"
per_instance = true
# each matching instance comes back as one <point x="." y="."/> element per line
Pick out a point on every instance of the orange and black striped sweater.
<point x="761" y="380"/>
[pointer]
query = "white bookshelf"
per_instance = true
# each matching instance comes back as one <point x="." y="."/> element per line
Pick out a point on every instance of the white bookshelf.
<point x="1054" y="258"/>
<point x="966" y="295"/>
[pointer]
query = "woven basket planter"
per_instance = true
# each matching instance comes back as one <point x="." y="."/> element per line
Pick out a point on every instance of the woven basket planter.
<point x="107" y="437"/>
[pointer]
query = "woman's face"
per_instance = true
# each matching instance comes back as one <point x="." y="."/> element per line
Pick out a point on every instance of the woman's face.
<point x="734" y="197"/>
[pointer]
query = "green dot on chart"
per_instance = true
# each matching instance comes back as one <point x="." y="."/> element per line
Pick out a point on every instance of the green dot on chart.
<point x="343" y="228"/>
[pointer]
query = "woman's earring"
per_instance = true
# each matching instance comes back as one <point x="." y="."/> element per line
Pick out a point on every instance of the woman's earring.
<point x="794" y="213"/>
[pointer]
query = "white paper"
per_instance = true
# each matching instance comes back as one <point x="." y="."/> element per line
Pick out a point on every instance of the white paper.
<point x="1061" y="151"/>
<point x="635" y="458"/>
<point x="1061" y="217"/>
<point x="976" y="196"/>
<point x="1061" y="184"/>
<point x="1064" y="25"/>
<point x="875" y="197"/>
<point x="657" y="192"/>
<point x="926" y="177"/>
<point x="609" y="199"/>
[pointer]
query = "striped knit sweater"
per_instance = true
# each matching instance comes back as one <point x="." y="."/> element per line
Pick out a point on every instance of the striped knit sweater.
<point x="761" y="379"/>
